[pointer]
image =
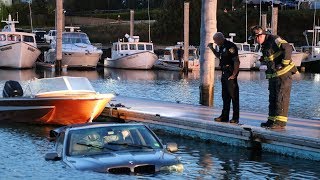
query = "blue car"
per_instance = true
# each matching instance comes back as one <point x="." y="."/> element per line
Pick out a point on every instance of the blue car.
<point x="113" y="148"/>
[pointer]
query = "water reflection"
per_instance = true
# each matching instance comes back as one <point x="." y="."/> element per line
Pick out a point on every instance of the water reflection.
<point x="91" y="75"/>
<point x="23" y="148"/>
<point x="121" y="74"/>
<point x="18" y="75"/>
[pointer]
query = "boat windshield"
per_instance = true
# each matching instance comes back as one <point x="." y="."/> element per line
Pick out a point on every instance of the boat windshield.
<point x="64" y="83"/>
<point x="72" y="38"/>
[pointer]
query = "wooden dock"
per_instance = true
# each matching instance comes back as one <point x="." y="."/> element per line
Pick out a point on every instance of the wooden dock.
<point x="301" y="138"/>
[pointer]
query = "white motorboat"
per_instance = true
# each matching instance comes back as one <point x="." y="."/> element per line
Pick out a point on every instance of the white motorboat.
<point x="297" y="56"/>
<point x="131" y="54"/>
<point x="169" y="59"/>
<point x="312" y="62"/>
<point x="17" y="49"/>
<point x="248" y="59"/>
<point x="77" y="51"/>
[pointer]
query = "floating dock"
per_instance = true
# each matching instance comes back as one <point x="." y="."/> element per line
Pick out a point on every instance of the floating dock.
<point x="301" y="138"/>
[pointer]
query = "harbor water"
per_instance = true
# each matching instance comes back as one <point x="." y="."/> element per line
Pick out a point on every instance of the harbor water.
<point x="22" y="147"/>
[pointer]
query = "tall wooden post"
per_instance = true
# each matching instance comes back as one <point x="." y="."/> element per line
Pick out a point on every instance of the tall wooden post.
<point x="274" y="22"/>
<point x="208" y="28"/>
<point x="264" y="21"/>
<point x="186" y="36"/>
<point x="131" y="23"/>
<point x="59" y="23"/>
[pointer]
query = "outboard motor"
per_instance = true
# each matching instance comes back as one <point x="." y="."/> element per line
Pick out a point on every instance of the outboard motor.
<point x="12" y="89"/>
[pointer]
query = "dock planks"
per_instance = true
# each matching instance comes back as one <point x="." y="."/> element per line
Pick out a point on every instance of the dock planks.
<point x="301" y="138"/>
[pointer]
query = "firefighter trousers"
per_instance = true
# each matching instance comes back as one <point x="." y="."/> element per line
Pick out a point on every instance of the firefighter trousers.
<point x="279" y="97"/>
<point x="230" y="92"/>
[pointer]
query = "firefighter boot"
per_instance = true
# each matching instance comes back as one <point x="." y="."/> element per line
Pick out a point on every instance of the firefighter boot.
<point x="278" y="125"/>
<point x="267" y="124"/>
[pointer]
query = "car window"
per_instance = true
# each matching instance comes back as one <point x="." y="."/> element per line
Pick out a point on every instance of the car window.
<point x="59" y="144"/>
<point x="114" y="138"/>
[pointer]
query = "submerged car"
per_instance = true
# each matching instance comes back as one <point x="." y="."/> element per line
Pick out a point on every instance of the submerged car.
<point x="113" y="148"/>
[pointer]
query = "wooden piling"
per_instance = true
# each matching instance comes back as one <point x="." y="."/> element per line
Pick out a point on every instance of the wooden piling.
<point x="274" y="22"/>
<point x="186" y="36"/>
<point x="208" y="28"/>
<point x="131" y="23"/>
<point x="59" y="23"/>
<point x="264" y="21"/>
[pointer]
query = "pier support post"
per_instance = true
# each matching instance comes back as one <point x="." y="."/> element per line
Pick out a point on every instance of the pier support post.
<point x="186" y="37"/>
<point x="131" y="23"/>
<point x="274" y="22"/>
<point x="207" y="59"/>
<point x="59" y="23"/>
<point x="264" y="21"/>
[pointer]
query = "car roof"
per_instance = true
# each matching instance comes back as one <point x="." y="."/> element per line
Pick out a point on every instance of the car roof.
<point x="57" y="131"/>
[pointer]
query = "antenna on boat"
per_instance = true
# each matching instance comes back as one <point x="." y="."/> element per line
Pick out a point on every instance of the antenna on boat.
<point x="246" y="21"/>
<point x="149" y="20"/>
<point x="17" y="16"/>
<point x="30" y="15"/>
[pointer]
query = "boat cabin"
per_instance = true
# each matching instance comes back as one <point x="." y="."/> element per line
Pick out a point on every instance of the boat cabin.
<point x="120" y="49"/>
<point x="171" y="53"/>
<point x="13" y="37"/>
<point x="75" y="37"/>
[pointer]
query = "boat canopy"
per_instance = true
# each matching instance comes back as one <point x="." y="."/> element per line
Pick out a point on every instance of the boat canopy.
<point x="64" y="83"/>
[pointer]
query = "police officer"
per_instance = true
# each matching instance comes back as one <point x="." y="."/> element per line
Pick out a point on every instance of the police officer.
<point x="229" y="63"/>
<point x="277" y="55"/>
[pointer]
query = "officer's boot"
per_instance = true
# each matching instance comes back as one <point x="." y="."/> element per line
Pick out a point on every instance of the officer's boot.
<point x="222" y="118"/>
<point x="267" y="124"/>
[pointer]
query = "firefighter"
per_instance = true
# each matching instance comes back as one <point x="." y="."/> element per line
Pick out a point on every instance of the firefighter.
<point x="229" y="62"/>
<point x="280" y="68"/>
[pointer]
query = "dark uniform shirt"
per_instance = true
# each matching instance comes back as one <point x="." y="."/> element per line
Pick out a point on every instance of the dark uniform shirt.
<point x="227" y="54"/>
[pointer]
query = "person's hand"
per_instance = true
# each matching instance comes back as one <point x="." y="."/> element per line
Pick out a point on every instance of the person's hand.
<point x="232" y="77"/>
<point x="210" y="45"/>
<point x="279" y="67"/>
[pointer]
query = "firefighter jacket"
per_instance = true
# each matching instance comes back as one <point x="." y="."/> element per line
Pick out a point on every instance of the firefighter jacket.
<point x="277" y="55"/>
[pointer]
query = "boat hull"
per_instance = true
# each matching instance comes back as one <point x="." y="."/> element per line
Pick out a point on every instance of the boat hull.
<point x="247" y="61"/>
<point x="173" y="65"/>
<point x="298" y="57"/>
<point x="18" y="55"/>
<point x="75" y="59"/>
<point x="141" y="60"/>
<point x="311" y="66"/>
<point x="58" y="111"/>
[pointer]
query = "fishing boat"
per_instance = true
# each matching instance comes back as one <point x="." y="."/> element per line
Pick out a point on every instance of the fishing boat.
<point x="17" y="49"/>
<point x="60" y="101"/>
<point x="169" y="59"/>
<point x="312" y="62"/>
<point x="131" y="54"/>
<point x="249" y="60"/>
<point x="77" y="51"/>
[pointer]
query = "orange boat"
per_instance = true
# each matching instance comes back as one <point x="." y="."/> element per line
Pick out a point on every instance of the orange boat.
<point x="61" y="101"/>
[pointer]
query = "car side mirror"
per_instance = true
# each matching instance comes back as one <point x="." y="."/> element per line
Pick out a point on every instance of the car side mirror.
<point x="172" y="147"/>
<point x="52" y="157"/>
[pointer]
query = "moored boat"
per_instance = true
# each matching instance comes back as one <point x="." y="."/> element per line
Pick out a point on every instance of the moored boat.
<point x="77" y="51"/>
<point x="131" y="54"/>
<point x="61" y="100"/>
<point x="17" y="49"/>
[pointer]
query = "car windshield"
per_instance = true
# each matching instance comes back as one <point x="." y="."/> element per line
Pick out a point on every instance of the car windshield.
<point x="97" y="140"/>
